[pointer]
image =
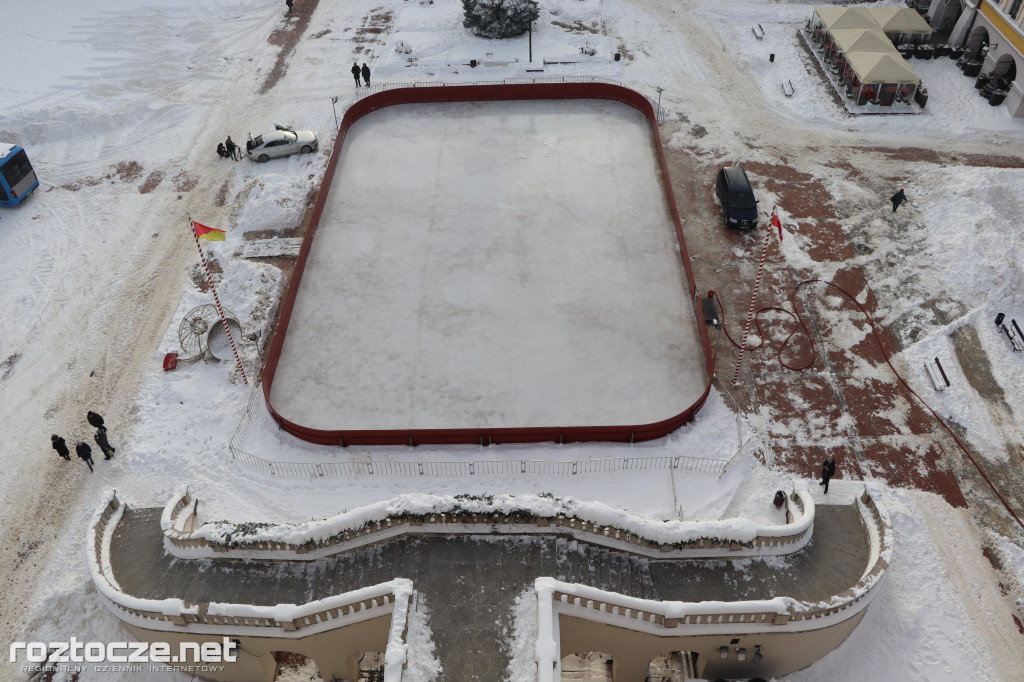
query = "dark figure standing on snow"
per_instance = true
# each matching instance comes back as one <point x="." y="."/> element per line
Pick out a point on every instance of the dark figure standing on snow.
<point x="95" y="420"/>
<point x="232" y="148"/>
<point x="289" y="3"/>
<point x="105" y="447"/>
<point x="897" y="199"/>
<point x="828" y="470"/>
<point x="222" y="151"/>
<point x="366" y="74"/>
<point x="60" y="446"/>
<point x="356" y="72"/>
<point x="84" y="453"/>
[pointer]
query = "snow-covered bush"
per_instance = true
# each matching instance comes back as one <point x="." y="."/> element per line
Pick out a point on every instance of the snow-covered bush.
<point x="499" y="18"/>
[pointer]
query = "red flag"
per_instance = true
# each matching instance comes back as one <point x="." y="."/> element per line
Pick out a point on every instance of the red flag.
<point x="208" y="233"/>
<point x="776" y="222"/>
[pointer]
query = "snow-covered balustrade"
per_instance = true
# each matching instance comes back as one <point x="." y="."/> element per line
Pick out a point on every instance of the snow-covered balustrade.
<point x="698" y="623"/>
<point x="283" y="620"/>
<point x="421" y="514"/>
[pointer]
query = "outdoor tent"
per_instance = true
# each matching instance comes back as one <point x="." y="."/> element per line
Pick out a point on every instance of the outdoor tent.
<point x="847" y="17"/>
<point x="879" y="67"/>
<point x="901" y="20"/>
<point x="863" y="40"/>
<point x="882" y="78"/>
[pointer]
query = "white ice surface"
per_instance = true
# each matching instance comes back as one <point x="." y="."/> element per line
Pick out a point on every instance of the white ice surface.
<point x="494" y="264"/>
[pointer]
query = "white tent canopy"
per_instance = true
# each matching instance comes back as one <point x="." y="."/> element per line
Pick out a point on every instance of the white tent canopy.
<point x="862" y="40"/>
<point x="901" y="20"/>
<point x="880" y="67"/>
<point x="833" y="18"/>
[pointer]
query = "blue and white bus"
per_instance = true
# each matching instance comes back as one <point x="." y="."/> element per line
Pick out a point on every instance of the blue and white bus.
<point x="17" y="179"/>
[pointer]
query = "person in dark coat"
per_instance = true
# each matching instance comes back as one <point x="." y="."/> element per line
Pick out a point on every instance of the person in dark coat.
<point x="95" y="420"/>
<point x="232" y="148"/>
<point x="366" y="74"/>
<point x="897" y="199"/>
<point x="222" y="151"/>
<point x="289" y="3"/>
<point x="355" y="72"/>
<point x="84" y="453"/>
<point x="60" y="446"/>
<point x="828" y="470"/>
<point x="105" y="447"/>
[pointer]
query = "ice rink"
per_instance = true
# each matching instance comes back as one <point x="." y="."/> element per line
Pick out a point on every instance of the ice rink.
<point x="493" y="264"/>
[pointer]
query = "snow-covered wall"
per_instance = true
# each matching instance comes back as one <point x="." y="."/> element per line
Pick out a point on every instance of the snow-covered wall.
<point x="420" y="514"/>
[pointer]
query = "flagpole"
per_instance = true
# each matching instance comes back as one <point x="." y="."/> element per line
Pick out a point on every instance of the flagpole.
<point x="753" y="299"/>
<point x="216" y="298"/>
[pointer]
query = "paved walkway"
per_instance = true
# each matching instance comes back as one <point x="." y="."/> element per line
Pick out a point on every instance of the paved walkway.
<point x="469" y="583"/>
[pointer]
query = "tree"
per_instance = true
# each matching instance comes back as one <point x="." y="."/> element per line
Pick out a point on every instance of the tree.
<point x="499" y="18"/>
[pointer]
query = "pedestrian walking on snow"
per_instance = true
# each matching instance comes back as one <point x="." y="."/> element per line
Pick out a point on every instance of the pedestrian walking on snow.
<point x="366" y="74"/>
<point x="60" y="446"/>
<point x="289" y="3"/>
<point x="232" y="148"/>
<point x="105" y="447"/>
<point x="96" y="420"/>
<point x="828" y="470"/>
<point x="355" y="72"/>
<point x="897" y="199"/>
<point x="84" y="453"/>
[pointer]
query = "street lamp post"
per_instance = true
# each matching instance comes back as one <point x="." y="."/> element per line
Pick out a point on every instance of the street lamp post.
<point x="334" y="101"/>
<point x="660" y="90"/>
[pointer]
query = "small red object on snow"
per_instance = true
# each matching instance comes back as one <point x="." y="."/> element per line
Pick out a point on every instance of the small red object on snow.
<point x="170" y="361"/>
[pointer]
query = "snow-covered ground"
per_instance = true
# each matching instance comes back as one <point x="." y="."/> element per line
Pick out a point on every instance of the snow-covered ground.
<point x="120" y="108"/>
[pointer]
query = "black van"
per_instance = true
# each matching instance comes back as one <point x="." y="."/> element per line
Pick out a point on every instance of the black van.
<point x="736" y="197"/>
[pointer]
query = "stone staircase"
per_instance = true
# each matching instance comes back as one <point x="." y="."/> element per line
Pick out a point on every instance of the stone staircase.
<point x="469" y="583"/>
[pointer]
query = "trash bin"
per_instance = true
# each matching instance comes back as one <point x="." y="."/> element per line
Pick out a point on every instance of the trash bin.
<point x="618" y="56"/>
<point x="921" y="97"/>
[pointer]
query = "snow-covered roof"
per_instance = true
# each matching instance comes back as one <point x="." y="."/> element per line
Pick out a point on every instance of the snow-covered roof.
<point x="878" y="67"/>
<point x="846" y="17"/>
<point x="901" y="20"/>
<point x="6" y="149"/>
<point x="863" y="40"/>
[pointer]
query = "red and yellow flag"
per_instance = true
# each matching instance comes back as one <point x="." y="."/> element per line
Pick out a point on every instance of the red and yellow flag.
<point x="208" y="233"/>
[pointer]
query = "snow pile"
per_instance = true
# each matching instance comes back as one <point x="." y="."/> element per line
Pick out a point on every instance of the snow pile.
<point x="522" y="642"/>
<point x="277" y="202"/>
<point x="421" y="663"/>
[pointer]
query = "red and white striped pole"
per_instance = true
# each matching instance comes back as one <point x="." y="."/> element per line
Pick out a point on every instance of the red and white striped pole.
<point x="750" y="312"/>
<point x="216" y="298"/>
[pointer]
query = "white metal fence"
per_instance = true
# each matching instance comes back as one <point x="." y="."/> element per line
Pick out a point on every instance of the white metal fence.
<point x="453" y="469"/>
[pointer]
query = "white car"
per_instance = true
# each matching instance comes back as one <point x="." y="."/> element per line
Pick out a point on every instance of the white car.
<point x="280" y="142"/>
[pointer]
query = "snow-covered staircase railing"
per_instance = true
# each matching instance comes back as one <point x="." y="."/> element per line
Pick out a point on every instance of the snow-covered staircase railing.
<point x="282" y="620"/>
<point x="672" y="619"/>
<point x="420" y="514"/>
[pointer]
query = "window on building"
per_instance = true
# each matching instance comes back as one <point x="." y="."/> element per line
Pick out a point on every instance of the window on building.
<point x="1015" y="8"/>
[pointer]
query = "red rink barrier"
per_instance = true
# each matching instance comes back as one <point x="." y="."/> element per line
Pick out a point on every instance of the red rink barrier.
<point x="624" y="433"/>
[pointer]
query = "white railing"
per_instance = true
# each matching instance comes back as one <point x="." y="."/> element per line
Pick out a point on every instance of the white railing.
<point x="671" y="619"/>
<point x="281" y="620"/>
<point x="418" y="515"/>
